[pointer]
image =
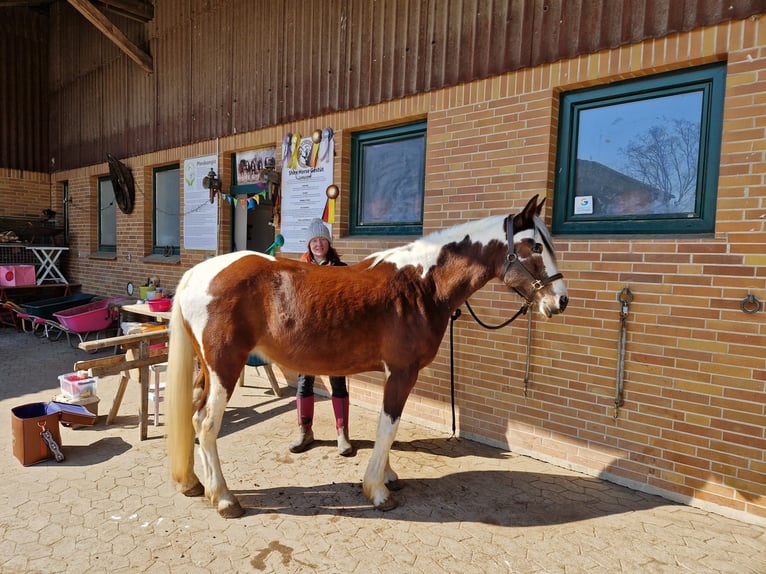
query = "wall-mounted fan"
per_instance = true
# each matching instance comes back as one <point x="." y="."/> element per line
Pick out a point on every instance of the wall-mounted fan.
<point x="122" y="183"/>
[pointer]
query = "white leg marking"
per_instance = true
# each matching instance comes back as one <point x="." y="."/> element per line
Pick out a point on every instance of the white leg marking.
<point x="379" y="470"/>
<point x="207" y="432"/>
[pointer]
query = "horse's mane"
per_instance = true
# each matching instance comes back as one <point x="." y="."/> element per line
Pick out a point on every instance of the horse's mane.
<point x="425" y="251"/>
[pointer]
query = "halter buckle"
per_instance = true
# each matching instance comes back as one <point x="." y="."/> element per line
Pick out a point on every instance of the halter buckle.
<point x="537" y="284"/>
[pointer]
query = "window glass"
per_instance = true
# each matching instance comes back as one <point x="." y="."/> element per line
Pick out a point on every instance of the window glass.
<point x="167" y="210"/>
<point x="641" y="156"/>
<point x="388" y="180"/>
<point x="107" y="220"/>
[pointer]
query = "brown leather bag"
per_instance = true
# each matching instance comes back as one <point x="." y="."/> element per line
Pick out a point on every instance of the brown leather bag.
<point x="28" y="422"/>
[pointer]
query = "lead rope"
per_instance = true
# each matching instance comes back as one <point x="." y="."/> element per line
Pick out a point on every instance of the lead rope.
<point x="454" y="317"/>
<point x="529" y="346"/>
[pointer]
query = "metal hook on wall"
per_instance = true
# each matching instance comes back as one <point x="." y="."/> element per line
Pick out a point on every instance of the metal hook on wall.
<point x="750" y="304"/>
<point x="625" y="297"/>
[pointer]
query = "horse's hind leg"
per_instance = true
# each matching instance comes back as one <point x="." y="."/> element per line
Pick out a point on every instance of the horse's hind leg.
<point x="207" y="421"/>
<point x="190" y="484"/>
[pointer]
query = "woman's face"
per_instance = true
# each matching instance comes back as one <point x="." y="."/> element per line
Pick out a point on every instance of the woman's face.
<point x="319" y="247"/>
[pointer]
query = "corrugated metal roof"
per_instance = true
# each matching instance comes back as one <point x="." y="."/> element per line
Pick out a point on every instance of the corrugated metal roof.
<point x="237" y="65"/>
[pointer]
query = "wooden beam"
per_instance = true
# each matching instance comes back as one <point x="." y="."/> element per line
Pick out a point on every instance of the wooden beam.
<point x="133" y="9"/>
<point x="115" y="368"/>
<point x="95" y="17"/>
<point x="134" y="340"/>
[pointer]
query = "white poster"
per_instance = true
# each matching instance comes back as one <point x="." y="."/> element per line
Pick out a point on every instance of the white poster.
<point x="307" y="171"/>
<point x="200" y="216"/>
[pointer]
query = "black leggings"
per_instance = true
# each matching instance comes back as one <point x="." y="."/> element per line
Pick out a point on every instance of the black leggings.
<point x="306" y="386"/>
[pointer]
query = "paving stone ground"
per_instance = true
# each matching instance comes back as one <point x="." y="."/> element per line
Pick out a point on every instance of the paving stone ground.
<point x="466" y="507"/>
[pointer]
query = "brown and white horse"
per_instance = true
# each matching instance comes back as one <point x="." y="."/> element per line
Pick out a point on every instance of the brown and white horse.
<point x="387" y="313"/>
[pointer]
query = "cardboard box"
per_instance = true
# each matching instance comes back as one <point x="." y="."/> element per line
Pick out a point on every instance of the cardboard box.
<point x="17" y="275"/>
<point x="90" y="403"/>
<point x="28" y="421"/>
<point x="75" y="386"/>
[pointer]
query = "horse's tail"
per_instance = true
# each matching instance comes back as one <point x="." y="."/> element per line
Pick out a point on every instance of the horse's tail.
<point x="179" y="387"/>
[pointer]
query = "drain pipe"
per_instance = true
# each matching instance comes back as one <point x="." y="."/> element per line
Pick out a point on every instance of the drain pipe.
<point x="625" y="297"/>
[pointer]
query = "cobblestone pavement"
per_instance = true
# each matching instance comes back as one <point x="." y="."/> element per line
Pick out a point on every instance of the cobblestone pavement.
<point x="466" y="507"/>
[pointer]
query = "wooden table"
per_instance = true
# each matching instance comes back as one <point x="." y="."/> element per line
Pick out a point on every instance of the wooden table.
<point x="144" y="310"/>
<point x="137" y="356"/>
<point x="164" y="316"/>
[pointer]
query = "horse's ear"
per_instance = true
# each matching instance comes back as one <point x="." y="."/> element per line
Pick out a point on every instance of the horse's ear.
<point x="540" y="206"/>
<point x="525" y="219"/>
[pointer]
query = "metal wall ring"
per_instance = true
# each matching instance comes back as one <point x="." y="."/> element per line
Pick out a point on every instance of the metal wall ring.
<point x="750" y="304"/>
<point x="625" y="296"/>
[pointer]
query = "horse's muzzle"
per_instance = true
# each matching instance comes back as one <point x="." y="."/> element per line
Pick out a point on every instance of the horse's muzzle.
<point x="550" y="310"/>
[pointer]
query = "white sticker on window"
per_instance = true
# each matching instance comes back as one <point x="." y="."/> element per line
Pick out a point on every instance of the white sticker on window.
<point x="583" y="205"/>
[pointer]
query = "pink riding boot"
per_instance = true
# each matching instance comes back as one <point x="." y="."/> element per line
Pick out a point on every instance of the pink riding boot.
<point x="340" y="407"/>
<point x="305" y="436"/>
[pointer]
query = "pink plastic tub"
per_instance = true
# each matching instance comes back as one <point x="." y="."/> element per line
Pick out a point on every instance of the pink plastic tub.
<point x="94" y="316"/>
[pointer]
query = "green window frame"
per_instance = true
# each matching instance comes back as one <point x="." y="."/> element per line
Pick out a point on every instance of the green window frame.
<point x="641" y="156"/>
<point x="388" y="180"/>
<point x="107" y="216"/>
<point x="166" y="224"/>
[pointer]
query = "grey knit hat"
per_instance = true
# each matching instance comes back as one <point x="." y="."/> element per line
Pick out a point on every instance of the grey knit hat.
<point x="318" y="229"/>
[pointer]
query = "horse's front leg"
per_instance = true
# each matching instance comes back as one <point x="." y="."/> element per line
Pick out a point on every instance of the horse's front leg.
<point x="208" y="424"/>
<point x="380" y="478"/>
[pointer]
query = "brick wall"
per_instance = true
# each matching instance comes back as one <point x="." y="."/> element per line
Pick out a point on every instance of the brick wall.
<point x="24" y="194"/>
<point x="693" y="424"/>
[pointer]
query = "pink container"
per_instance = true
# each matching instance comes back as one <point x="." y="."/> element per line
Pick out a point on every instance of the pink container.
<point x="94" y="316"/>
<point x="160" y="305"/>
<point x="17" y="275"/>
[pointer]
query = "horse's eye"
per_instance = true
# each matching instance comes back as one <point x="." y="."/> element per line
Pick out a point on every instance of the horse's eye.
<point x="538" y="248"/>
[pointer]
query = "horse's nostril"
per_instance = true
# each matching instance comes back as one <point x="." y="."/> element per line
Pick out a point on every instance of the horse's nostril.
<point x="563" y="301"/>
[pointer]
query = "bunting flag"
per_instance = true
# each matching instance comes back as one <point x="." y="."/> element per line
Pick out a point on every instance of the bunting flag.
<point x="244" y="202"/>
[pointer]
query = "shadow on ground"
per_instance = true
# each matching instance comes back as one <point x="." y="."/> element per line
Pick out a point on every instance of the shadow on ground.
<point x="503" y="498"/>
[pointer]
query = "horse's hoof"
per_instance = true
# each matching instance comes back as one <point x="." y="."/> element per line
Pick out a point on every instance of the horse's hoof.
<point x="196" y="490"/>
<point x="395" y="485"/>
<point x="388" y="504"/>
<point x="231" y="510"/>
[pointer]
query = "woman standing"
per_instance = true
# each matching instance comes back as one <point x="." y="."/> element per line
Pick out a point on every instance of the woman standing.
<point x="321" y="252"/>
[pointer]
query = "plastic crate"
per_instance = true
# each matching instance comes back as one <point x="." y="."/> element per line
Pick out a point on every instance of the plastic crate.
<point x="76" y="386"/>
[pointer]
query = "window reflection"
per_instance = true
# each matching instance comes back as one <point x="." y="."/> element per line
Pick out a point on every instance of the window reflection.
<point x="639" y="157"/>
<point x="393" y="174"/>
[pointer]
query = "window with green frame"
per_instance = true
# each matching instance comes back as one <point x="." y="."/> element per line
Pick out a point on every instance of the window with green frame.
<point x="167" y="210"/>
<point x="641" y="156"/>
<point x="388" y="169"/>
<point x="107" y="216"/>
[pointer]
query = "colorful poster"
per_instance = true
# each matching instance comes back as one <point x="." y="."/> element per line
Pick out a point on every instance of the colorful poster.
<point x="307" y="171"/>
<point x="200" y="216"/>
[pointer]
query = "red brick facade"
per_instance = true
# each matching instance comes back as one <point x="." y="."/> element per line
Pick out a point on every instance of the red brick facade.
<point x="693" y="426"/>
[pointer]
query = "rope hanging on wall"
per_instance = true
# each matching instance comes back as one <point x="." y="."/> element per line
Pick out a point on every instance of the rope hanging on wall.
<point x="122" y="183"/>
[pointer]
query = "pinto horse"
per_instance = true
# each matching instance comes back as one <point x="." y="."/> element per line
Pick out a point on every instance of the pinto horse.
<point x="387" y="313"/>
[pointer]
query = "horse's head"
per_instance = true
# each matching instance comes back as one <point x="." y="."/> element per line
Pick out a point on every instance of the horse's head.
<point x="530" y="267"/>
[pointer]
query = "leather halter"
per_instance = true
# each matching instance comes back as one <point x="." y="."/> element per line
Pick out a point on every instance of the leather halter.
<point x="535" y="283"/>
